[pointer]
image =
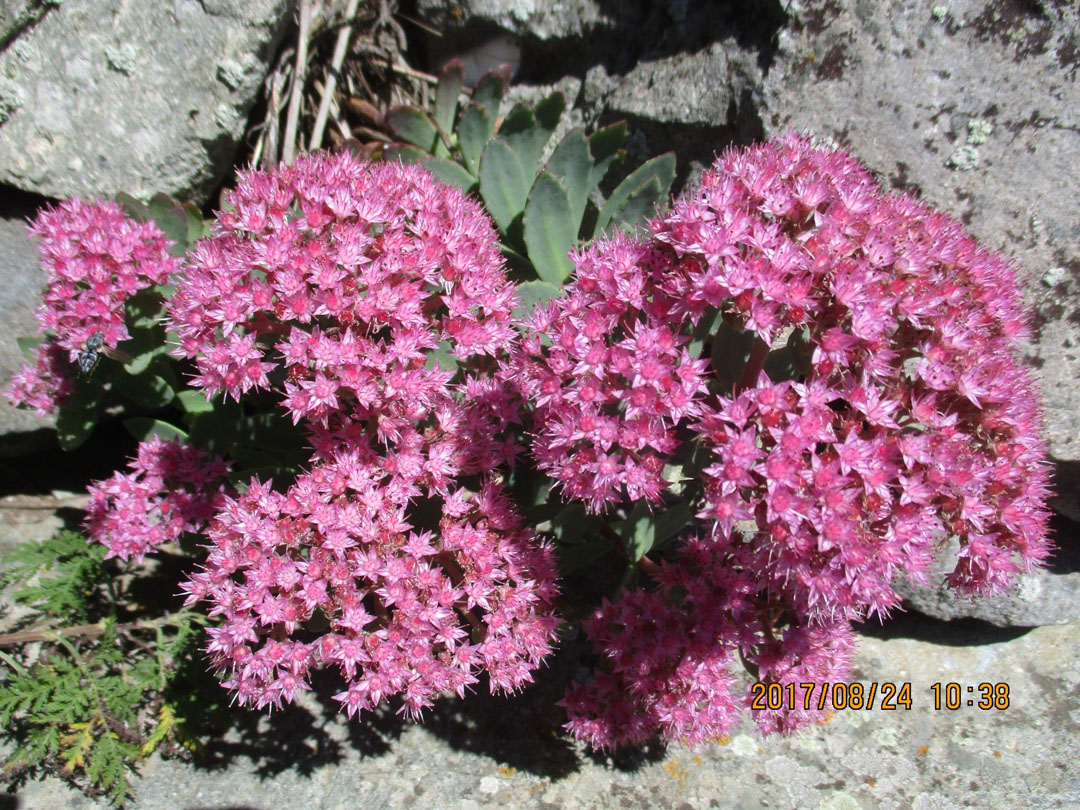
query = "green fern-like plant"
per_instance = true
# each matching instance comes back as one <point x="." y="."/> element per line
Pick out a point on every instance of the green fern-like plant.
<point x="86" y="681"/>
<point x="542" y="209"/>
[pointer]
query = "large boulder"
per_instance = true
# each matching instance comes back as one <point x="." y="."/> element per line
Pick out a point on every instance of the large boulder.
<point x="102" y="96"/>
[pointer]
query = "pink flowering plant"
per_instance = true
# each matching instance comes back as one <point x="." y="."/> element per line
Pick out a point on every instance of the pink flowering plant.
<point x="390" y="460"/>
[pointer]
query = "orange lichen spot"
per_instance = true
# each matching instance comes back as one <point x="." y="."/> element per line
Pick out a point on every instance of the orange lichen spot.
<point x="997" y="754"/>
<point x="923" y="750"/>
<point x="506" y="770"/>
<point x="871" y="781"/>
<point x="673" y="769"/>
<point x="723" y="739"/>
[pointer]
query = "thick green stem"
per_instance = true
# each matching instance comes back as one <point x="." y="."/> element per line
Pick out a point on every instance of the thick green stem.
<point x="754" y="364"/>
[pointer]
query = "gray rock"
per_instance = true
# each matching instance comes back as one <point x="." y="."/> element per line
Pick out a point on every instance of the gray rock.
<point x="20" y="294"/>
<point x="101" y="97"/>
<point x="537" y="18"/>
<point x="1046" y="596"/>
<point x="975" y="106"/>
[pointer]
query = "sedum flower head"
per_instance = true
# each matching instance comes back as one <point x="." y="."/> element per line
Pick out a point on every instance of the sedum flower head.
<point x="95" y="258"/>
<point x="333" y="574"/>
<point x="171" y="489"/>
<point x="901" y="419"/>
<point x="335" y="278"/>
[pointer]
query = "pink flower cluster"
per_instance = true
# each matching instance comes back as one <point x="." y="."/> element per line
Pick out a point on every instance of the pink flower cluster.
<point x="172" y="489"/>
<point x="331" y="283"/>
<point x="350" y="273"/>
<point x="96" y="258"/>
<point x="914" y="421"/>
<point x="616" y="378"/>
<point x="399" y="611"/>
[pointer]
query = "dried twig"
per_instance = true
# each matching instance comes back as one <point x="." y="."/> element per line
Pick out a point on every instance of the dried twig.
<point x="291" y="122"/>
<point x="340" y="49"/>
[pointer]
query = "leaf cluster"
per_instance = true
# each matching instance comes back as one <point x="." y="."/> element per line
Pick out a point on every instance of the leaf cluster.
<point x="89" y="701"/>
<point x="542" y="208"/>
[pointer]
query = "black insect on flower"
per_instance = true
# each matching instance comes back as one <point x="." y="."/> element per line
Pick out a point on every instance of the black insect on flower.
<point x="90" y="356"/>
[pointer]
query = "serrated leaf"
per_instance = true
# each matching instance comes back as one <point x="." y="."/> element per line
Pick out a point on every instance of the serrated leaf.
<point x="574" y="525"/>
<point x="606" y="143"/>
<point x="531" y="293"/>
<point x="519" y="268"/>
<point x="447" y="92"/>
<point x="550" y="229"/>
<point x="449" y="172"/>
<point x="143" y="428"/>
<point x="474" y="131"/>
<point x="504" y="185"/>
<point x="29" y="346"/>
<point x="133" y="207"/>
<point x="730" y="352"/>
<point x="572" y="163"/>
<point x="489" y="89"/>
<point x="637" y="208"/>
<point x="528" y="131"/>
<point x="441" y="356"/>
<point x="650" y="181"/>
<point x="413" y="126"/>
<point x="791" y="361"/>
<point x="672" y="521"/>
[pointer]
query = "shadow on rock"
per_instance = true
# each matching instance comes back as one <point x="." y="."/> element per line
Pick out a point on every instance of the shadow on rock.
<point x="965" y="632"/>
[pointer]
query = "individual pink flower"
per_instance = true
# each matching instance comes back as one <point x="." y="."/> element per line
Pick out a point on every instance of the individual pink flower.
<point x="172" y="489"/>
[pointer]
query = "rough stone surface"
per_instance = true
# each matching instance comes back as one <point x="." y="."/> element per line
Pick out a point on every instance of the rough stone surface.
<point x="536" y="18"/>
<point x="101" y="97"/>
<point x="19" y="296"/>
<point x="1049" y="595"/>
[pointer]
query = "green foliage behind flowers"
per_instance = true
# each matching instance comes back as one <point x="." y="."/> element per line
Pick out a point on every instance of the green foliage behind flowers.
<point x="87" y="681"/>
<point x="542" y="208"/>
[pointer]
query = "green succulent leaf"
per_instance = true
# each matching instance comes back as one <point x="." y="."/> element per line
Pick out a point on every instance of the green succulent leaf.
<point x="147" y="390"/>
<point x="193" y="401"/>
<point x="635" y="198"/>
<point x="75" y="419"/>
<point x="133" y="207"/>
<point x="527" y="131"/>
<point x="730" y="352"/>
<point x="638" y="532"/>
<point x="606" y="143"/>
<point x="413" y="126"/>
<point x="489" y="90"/>
<point x="406" y="154"/>
<point x="446" y="94"/>
<point x="449" y="172"/>
<point x="29" y="345"/>
<point x="474" y="131"/>
<point x="550" y="229"/>
<point x="144" y="428"/>
<point x="531" y="293"/>
<point x="572" y="163"/>
<point x="504" y="184"/>
<point x="571" y="558"/>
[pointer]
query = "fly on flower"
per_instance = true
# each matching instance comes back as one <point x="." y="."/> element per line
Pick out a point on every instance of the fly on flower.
<point x="92" y="352"/>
